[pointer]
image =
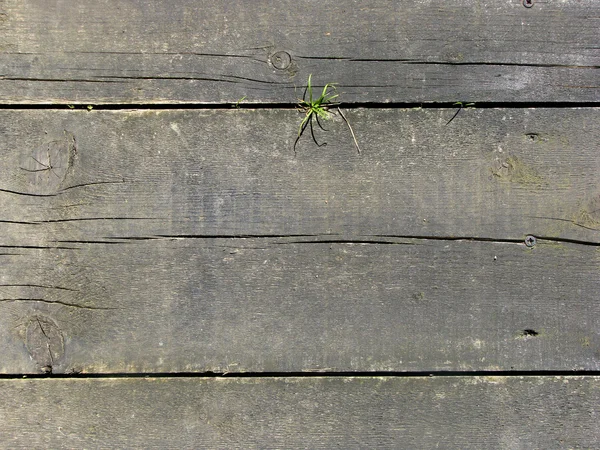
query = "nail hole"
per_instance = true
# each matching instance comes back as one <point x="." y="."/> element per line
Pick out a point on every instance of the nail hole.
<point x="529" y="332"/>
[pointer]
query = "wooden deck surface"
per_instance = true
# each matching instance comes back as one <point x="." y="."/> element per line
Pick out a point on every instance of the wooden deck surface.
<point x="173" y="273"/>
<point x="188" y="51"/>
<point x="319" y="413"/>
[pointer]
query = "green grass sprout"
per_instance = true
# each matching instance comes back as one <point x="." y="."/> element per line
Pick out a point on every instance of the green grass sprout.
<point x="350" y="128"/>
<point x="460" y="105"/>
<point x="315" y="109"/>
<point x="237" y="104"/>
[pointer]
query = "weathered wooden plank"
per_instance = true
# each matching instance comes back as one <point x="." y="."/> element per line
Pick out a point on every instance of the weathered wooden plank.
<point x="222" y="50"/>
<point x="458" y="412"/>
<point x="281" y="305"/>
<point x="495" y="174"/>
<point x="128" y="255"/>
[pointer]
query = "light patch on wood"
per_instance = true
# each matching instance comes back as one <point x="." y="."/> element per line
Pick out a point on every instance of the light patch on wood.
<point x="494" y="379"/>
<point x="589" y="216"/>
<point x="514" y="170"/>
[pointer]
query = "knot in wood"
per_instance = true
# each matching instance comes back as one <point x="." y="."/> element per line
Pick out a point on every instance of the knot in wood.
<point x="281" y="60"/>
<point x="44" y="342"/>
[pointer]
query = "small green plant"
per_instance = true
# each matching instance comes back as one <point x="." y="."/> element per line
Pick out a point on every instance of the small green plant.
<point x="319" y="108"/>
<point x="90" y="107"/>
<point x="315" y="108"/>
<point x="460" y="105"/>
<point x="237" y="104"/>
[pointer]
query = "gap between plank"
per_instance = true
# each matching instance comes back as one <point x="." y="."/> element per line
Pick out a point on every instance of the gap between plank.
<point x="249" y="105"/>
<point x="310" y="374"/>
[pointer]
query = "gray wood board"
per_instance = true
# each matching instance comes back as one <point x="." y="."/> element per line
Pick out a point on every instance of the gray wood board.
<point x="223" y="50"/>
<point x="497" y="174"/>
<point x="174" y="241"/>
<point x="458" y="412"/>
<point x="276" y="305"/>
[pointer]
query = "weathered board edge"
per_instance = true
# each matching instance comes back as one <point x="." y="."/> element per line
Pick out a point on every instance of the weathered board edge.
<point x="345" y="412"/>
<point x="222" y="51"/>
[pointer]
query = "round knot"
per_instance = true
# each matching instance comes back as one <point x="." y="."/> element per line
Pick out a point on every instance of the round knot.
<point x="281" y="60"/>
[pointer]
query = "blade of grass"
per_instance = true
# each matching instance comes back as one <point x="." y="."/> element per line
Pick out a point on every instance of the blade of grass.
<point x="351" y="130"/>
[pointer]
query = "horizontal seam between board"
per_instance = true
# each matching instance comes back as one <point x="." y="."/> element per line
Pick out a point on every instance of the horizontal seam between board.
<point x="277" y="105"/>
<point x="311" y="374"/>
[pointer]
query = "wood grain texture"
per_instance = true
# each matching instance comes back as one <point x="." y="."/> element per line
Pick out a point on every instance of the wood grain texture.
<point x="175" y="241"/>
<point x="219" y="51"/>
<point x="496" y="174"/>
<point x="281" y="305"/>
<point x="178" y="242"/>
<point x="458" y="412"/>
